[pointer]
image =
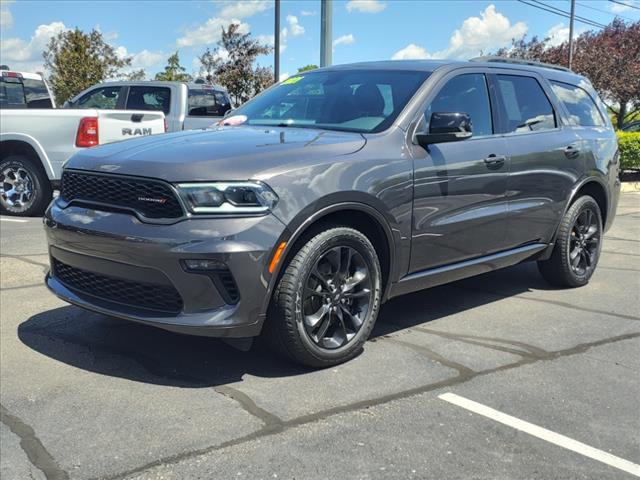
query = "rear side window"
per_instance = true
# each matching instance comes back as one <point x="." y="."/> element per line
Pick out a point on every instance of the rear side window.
<point x="105" y="98"/>
<point x="525" y="105"/>
<point x="466" y="93"/>
<point x="149" y="98"/>
<point x="208" y="103"/>
<point x="582" y="109"/>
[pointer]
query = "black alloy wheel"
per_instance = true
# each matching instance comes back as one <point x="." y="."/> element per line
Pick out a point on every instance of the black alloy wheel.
<point x="337" y="297"/>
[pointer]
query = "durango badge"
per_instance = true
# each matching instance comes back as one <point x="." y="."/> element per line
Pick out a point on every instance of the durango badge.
<point x="161" y="201"/>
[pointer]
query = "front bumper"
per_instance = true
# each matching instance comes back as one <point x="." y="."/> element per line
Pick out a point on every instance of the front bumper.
<point x="117" y="247"/>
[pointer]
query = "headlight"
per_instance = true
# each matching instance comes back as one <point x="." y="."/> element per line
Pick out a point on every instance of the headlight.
<point x="228" y="197"/>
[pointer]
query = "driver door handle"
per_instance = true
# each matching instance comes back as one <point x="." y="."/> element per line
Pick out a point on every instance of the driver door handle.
<point x="571" y="151"/>
<point x="495" y="161"/>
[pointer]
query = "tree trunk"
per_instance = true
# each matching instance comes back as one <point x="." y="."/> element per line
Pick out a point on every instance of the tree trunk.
<point x="622" y="112"/>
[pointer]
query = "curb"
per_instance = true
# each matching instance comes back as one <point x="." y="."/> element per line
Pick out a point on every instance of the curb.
<point x="630" y="187"/>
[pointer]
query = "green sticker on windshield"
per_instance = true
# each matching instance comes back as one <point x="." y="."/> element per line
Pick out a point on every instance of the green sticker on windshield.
<point x="292" y="80"/>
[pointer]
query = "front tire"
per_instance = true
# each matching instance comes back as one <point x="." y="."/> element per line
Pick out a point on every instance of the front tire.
<point x="25" y="189"/>
<point x="327" y="300"/>
<point x="577" y="248"/>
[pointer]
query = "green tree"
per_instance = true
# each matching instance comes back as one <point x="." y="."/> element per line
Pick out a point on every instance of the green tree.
<point x="307" y="68"/>
<point x="231" y="64"/>
<point x="78" y="60"/>
<point x="174" y="72"/>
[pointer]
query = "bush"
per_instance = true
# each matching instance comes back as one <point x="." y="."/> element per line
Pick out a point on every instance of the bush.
<point x="629" y="143"/>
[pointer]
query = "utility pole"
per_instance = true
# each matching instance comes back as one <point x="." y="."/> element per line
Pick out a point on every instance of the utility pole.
<point x="326" y="23"/>
<point x="573" y="14"/>
<point x="276" y="46"/>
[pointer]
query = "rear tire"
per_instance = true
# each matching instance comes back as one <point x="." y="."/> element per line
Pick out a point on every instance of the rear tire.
<point x="327" y="300"/>
<point x="577" y="248"/>
<point x="25" y="189"/>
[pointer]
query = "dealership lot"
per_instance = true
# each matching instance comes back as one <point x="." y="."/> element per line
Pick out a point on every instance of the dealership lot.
<point x="85" y="396"/>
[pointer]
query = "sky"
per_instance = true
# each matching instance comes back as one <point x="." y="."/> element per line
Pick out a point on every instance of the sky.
<point x="149" y="31"/>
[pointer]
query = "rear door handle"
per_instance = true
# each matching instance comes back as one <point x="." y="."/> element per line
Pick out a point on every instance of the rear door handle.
<point x="571" y="151"/>
<point x="495" y="161"/>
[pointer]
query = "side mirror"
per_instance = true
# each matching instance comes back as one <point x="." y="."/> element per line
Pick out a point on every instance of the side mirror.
<point x="446" y="127"/>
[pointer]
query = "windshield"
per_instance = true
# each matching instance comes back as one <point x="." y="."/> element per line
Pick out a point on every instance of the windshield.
<point x="366" y="101"/>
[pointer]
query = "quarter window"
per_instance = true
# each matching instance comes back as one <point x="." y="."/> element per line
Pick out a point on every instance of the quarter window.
<point x="526" y="106"/>
<point x="468" y="94"/>
<point x="582" y="109"/>
<point x="149" y="98"/>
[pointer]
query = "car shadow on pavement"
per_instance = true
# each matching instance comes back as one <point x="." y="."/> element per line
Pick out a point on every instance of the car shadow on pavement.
<point x="142" y="353"/>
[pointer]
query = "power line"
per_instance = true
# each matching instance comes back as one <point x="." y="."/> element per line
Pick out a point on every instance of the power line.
<point x="577" y="17"/>
<point x="562" y="13"/>
<point x="625" y="4"/>
<point x="584" y="5"/>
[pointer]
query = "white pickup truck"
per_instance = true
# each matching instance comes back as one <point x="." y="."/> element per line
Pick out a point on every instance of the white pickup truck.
<point x="36" y="139"/>
<point x="186" y="106"/>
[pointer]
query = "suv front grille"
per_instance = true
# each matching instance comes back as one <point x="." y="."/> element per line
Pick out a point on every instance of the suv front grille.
<point x="151" y="198"/>
<point x="148" y="296"/>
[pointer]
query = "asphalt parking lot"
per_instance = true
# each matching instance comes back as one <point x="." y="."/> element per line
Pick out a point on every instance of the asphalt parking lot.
<point x="85" y="396"/>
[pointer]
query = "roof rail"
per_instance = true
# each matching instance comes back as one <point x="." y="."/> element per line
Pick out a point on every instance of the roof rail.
<point x="519" y="61"/>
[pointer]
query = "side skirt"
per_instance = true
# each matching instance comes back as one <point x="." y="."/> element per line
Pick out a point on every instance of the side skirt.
<point x="468" y="268"/>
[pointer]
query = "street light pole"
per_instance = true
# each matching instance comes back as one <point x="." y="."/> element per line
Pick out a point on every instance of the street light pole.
<point x="573" y="14"/>
<point x="326" y="22"/>
<point x="276" y="46"/>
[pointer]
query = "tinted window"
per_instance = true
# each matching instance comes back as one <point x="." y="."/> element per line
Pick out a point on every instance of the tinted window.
<point x="24" y="93"/>
<point x="12" y="93"/>
<point x="467" y="94"/>
<point x="149" y="98"/>
<point x="105" y="98"/>
<point x="208" y="103"/>
<point x="365" y="101"/>
<point x="36" y="94"/>
<point x="582" y="109"/>
<point x="526" y="107"/>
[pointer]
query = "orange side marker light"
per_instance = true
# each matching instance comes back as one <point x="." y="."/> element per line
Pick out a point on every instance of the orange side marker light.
<point x="276" y="256"/>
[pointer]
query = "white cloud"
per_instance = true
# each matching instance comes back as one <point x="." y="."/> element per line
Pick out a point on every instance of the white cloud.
<point x="411" y="52"/>
<point x="244" y="9"/>
<point x="489" y="31"/>
<point x="146" y="59"/>
<point x="284" y="76"/>
<point x="25" y="55"/>
<point x="344" y="40"/>
<point x="308" y="13"/>
<point x="209" y="33"/>
<point x="294" y="26"/>
<point x="557" y="34"/>
<point x="6" y="19"/>
<point x="365" y="6"/>
<point x="618" y="8"/>
<point x="270" y="40"/>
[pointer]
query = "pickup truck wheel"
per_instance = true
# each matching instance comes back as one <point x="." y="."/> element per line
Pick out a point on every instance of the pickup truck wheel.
<point x="25" y="190"/>
<point x="327" y="300"/>
<point x="578" y="243"/>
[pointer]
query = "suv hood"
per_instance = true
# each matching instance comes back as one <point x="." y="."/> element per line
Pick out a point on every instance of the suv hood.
<point x="225" y="153"/>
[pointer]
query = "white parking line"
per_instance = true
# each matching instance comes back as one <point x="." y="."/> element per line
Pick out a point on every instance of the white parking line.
<point x="543" y="433"/>
<point x="17" y="220"/>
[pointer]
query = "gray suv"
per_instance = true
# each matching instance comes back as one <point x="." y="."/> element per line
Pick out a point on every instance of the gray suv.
<point x="335" y="191"/>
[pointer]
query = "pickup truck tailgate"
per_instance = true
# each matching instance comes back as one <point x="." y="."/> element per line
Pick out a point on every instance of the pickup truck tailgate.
<point x="115" y="125"/>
